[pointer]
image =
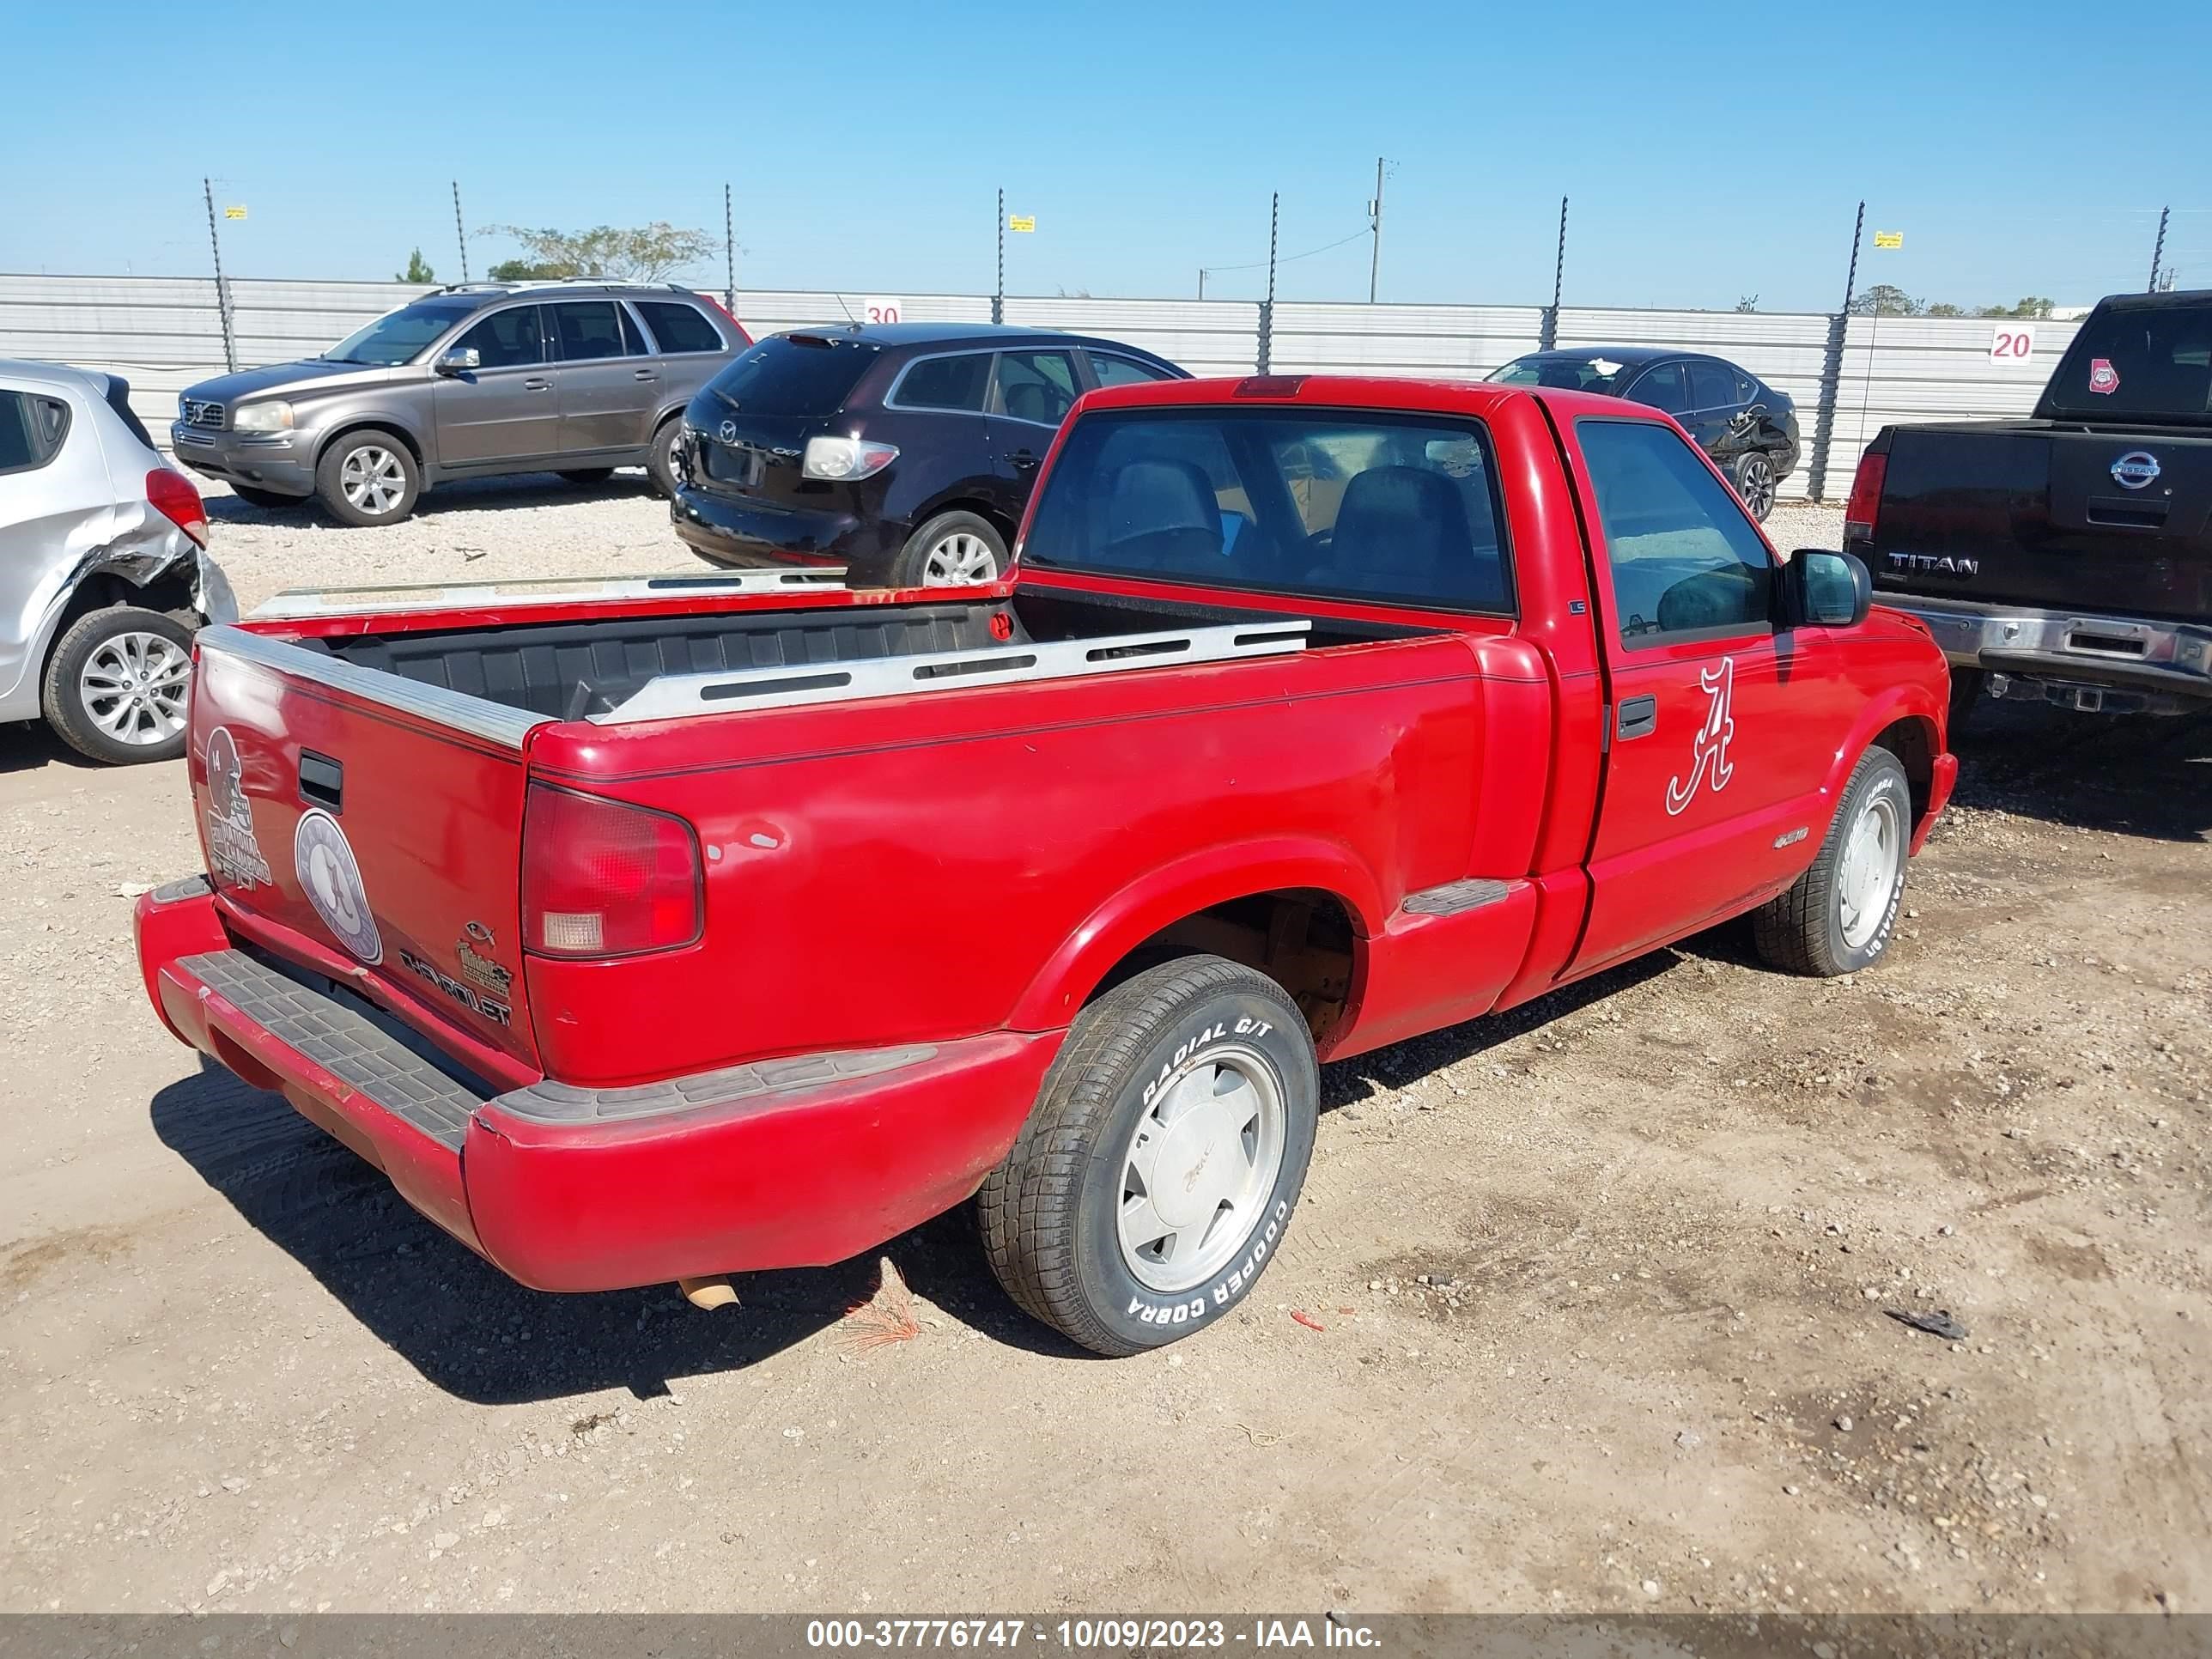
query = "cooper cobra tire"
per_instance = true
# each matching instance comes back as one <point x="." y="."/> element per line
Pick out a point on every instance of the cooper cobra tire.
<point x="1200" y="1073"/>
<point x="1836" y="918"/>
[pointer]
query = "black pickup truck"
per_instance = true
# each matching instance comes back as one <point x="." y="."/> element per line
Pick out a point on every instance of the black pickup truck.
<point x="2067" y="556"/>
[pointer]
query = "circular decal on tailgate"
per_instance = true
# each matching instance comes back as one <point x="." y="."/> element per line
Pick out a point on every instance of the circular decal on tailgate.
<point x="332" y="880"/>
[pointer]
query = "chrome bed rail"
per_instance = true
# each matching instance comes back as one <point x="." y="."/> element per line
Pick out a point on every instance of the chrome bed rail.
<point x="676" y="696"/>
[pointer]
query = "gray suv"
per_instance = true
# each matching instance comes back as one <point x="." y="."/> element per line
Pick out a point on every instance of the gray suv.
<point x="576" y="378"/>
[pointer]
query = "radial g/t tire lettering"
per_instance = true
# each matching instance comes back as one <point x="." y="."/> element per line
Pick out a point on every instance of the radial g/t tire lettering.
<point x="1836" y="918"/>
<point x="1198" y="1076"/>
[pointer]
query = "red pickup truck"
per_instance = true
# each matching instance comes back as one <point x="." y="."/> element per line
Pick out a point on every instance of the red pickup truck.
<point x="670" y="929"/>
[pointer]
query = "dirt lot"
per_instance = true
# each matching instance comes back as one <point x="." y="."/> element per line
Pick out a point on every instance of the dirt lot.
<point x="1603" y="1287"/>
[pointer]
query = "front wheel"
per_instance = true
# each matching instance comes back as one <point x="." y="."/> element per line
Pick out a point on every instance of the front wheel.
<point x="1836" y="918"/>
<point x="116" y="686"/>
<point x="953" y="550"/>
<point x="1753" y="473"/>
<point x="1157" y="1174"/>
<point x="367" y="478"/>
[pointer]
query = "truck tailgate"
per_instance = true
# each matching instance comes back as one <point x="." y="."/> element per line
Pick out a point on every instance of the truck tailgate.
<point x="351" y="833"/>
<point x="2043" y="514"/>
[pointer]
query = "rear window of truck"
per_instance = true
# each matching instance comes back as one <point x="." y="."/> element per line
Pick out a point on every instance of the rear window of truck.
<point x="793" y="374"/>
<point x="1338" y="504"/>
<point x="2148" y="362"/>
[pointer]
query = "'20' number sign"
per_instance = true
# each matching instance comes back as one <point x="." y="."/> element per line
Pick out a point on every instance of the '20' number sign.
<point x="2011" y="345"/>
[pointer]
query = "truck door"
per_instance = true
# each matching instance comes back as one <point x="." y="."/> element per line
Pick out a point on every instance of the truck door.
<point x="1719" y="732"/>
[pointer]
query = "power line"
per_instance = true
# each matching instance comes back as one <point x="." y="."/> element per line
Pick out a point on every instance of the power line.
<point x="1292" y="258"/>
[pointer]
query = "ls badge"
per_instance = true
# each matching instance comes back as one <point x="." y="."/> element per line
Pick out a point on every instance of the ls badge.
<point x="1709" y="751"/>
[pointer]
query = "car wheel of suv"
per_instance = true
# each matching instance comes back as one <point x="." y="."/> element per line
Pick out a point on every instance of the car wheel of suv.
<point x="368" y="477"/>
<point x="116" y="686"/>
<point x="661" y="459"/>
<point x="1754" y="472"/>
<point x="1837" y="916"/>
<point x="267" y="500"/>
<point x="1157" y="1172"/>
<point x="953" y="550"/>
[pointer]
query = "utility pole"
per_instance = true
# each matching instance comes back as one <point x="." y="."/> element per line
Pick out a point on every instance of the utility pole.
<point x="2158" y="250"/>
<point x="221" y="289"/>
<point x="1375" y="221"/>
<point x="729" y="254"/>
<point x="1201" y="281"/>
<point x="460" y="236"/>
<point x="999" y="294"/>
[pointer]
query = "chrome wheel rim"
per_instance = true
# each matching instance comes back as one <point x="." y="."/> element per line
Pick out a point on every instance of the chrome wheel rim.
<point x="961" y="559"/>
<point x="1758" y="487"/>
<point x="1200" y="1166"/>
<point x="133" y="688"/>
<point x="1873" y="866"/>
<point x="373" y="479"/>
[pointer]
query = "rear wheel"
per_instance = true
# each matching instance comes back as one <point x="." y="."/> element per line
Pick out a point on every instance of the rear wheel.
<point x="116" y="686"/>
<point x="1157" y="1174"/>
<point x="1836" y="918"/>
<point x="1753" y="473"/>
<point x="589" y="475"/>
<point x="660" y="458"/>
<point x="953" y="550"/>
<point x="267" y="500"/>
<point x="368" y="477"/>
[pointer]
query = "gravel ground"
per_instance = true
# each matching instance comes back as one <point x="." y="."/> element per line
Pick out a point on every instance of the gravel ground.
<point x="1595" y="1295"/>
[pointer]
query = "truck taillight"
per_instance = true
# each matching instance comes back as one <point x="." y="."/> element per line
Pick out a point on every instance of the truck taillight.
<point x="1866" y="497"/>
<point x="174" y="496"/>
<point x="602" y="879"/>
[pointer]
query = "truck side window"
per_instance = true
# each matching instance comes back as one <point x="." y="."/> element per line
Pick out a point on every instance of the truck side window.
<point x="1685" y="561"/>
<point x="1372" y="506"/>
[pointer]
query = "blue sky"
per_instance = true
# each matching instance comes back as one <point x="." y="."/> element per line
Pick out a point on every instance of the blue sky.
<point x="1710" y="152"/>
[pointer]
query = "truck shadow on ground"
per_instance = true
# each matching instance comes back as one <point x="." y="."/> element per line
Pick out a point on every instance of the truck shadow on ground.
<point x="2130" y="775"/>
<point x="468" y="495"/>
<point x="476" y="1334"/>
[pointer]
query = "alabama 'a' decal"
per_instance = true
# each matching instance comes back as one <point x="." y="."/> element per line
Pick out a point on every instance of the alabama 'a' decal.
<point x="1709" y="751"/>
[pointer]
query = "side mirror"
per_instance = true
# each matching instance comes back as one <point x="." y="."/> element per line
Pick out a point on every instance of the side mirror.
<point x="459" y="361"/>
<point x="1817" y="588"/>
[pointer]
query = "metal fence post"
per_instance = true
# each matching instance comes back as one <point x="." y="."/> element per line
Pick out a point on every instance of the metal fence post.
<point x="1547" y="334"/>
<point x="1267" y="343"/>
<point x="1831" y="374"/>
<point x="999" y="294"/>
<point x="221" y="287"/>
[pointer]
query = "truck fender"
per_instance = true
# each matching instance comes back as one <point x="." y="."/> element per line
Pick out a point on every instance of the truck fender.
<point x="1898" y="702"/>
<point x="1195" y="883"/>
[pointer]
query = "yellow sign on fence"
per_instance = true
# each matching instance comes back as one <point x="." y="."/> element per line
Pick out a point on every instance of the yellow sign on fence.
<point x="234" y="213"/>
<point x="1889" y="238"/>
<point x="1021" y="221"/>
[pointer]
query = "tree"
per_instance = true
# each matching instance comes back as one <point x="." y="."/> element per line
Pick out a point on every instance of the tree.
<point x="522" y="270"/>
<point x="2033" y="305"/>
<point x="645" y="254"/>
<point x="1884" y="300"/>
<point x="418" y="270"/>
<point x="1944" y="308"/>
<point x="1749" y="302"/>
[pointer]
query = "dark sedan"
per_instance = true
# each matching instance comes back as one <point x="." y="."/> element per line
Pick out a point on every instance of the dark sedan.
<point x="905" y="453"/>
<point x="1746" y="427"/>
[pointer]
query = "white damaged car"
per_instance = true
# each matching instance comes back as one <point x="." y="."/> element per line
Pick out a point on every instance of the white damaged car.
<point x="103" y="570"/>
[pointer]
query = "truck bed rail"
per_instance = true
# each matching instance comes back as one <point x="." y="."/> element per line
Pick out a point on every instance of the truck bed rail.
<point x="673" y="696"/>
<point x="380" y="600"/>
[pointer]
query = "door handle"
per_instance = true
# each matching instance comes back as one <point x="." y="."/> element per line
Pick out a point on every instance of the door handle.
<point x="643" y="374"/>
<point x="1023" y="459"/>
<point x="1638" y="717"/>
<point x="533" y="384"/>
<point x="322" y="780"/>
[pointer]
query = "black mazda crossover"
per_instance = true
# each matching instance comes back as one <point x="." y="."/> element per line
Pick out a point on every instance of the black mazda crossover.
<point x="905" y="453"/>
<point x="1746" y="427"/>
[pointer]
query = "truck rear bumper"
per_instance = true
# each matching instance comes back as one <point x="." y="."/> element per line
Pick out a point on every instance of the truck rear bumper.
<point x="2140" y="654"/>
<point x="780" y="1164"/>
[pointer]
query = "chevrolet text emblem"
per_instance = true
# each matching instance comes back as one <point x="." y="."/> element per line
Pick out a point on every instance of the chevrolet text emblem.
<point x="728" y="432"/>
<point x="2136" y="469"/>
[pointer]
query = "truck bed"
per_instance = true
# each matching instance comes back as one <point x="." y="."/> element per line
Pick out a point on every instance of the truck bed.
<point x="571" y="670"/>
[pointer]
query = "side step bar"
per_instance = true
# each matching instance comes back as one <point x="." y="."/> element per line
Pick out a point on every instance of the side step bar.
<point x="300" y="602"/>
<point x="672" y="696"/>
